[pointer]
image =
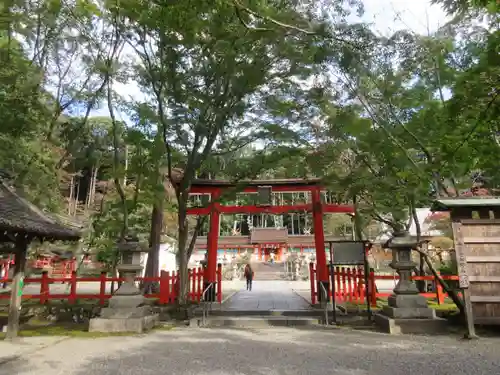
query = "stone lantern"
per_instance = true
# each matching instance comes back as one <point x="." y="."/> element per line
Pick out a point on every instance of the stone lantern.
<point x="129" y="267"/>
<point x="407" y="311"/>
<point x="401" y="245"/>
<point x="128" y="310"/>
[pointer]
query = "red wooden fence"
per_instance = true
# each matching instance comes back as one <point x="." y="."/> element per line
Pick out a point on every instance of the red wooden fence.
<point x="62" y="268"/>
<point x="350" y="285"/>
<point x="167" y="291"/>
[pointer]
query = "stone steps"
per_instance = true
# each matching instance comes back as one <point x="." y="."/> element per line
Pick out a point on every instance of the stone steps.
<point x="314" y="313"/>
<point x="269" y="276"/>
<point x="268" y="271"/>
<point x="257" y="321"/>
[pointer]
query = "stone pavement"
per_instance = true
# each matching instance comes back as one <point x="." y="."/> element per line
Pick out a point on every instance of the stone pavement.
<point x="25" y="346"/>
<point x="271" y="351"/>
<point x="267" y="295"/>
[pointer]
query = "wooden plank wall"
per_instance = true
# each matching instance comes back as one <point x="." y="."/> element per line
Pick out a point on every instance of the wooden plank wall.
<point x="480" y="244"/>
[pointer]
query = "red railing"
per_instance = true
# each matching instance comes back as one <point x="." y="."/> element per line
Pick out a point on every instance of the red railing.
<point x="168" y="290"/>
<point x="350" y="285"/>
<point x="5" y="265"/>
<point x="61" y="268"/>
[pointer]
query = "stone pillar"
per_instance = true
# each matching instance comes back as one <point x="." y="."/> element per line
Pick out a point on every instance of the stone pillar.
<point x="407" y="311"/>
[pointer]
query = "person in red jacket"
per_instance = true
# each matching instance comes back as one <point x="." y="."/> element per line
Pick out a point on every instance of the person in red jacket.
<point x="249" y="276"/>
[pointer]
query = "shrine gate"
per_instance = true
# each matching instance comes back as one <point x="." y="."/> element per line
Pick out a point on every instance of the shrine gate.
<point x="215" y="189"/>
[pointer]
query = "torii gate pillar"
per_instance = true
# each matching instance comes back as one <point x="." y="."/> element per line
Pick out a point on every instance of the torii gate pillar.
<point x="210" y="280"/>
<point x="319" y="240"/>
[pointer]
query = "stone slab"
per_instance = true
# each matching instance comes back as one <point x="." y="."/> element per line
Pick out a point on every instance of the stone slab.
<point x="126" y="301"/>
<point x="265" y="296"/>
<point x="411" y="326"/>
<point x="126" y="312"/>
<point x="257" y="322"/>
<point x="240" y="313"/>
<point x="137" y="325"/>
<point x="409" y="312"/>
<point x="407" y="301"/>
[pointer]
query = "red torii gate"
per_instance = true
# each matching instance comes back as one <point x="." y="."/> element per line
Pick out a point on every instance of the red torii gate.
<point x="214" y="209"/>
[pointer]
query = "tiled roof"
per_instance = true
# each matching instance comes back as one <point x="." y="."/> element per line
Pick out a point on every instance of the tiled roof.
<point x="17" y="215"/>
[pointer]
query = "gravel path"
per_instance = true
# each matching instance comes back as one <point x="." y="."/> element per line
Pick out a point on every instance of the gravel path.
<point x="275" y="351"/>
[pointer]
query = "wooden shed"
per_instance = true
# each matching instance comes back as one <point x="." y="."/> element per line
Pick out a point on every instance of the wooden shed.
<point x="476" y="231"/>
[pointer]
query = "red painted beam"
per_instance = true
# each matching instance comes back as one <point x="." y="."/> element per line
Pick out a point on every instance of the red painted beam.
<point x="326" y="208"/>
<point x="293" y="188"/>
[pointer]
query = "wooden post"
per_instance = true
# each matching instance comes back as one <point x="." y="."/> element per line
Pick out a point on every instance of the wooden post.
<point x="463" y="278"/>
<point x="219" y="283"/>
<point x="439" y="291"/>
<point x="190" y="283"/>
<point x="17" y="289"/>
<point x="312" y="273"/>
<point x="102" y="288"/>
<point x="164" y="287"/>
<point x="199" y="282"/>
<point x="372" y="289"/>
<point x="44" y="287"/>
<point x="349" y="284"/>
<point x="344" y="284"/>
<point x="73" y="284"/>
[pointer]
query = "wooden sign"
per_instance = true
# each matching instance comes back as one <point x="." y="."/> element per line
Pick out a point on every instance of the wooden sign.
<point x="463" y="276"/>
<point x="264" y="194"/>
<point x="269" y="235"/>
<point x="348" y="252"/>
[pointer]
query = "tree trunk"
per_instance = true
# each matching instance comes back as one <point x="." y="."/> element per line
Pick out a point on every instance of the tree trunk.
<point x="357" y="221"/>
<point x="182" y="254"/>
<point x="152" y="265"/>
<point x="421" y="284"/>
<point x="199" y="224"/>
<point x="77" y="198"/>
<point x="126" y="166"/>
<point x="71" y="194"/>
<point x="451" y="293"/>
<point x="93" y="187"/>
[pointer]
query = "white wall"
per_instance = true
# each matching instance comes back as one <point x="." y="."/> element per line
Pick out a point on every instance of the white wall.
<point x="167" y="258"/>
<point x="167" y="261"/>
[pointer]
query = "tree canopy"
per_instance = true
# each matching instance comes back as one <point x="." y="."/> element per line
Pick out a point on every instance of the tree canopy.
<point x="241" y="89"/>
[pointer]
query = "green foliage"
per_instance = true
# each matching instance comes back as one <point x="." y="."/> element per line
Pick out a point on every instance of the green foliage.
<point x="242" y="90"/>
<point x="397" y="140"/>
<point x="449" y="268"/>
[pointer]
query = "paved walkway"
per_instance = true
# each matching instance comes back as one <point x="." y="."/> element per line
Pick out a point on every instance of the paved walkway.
<point x="267" y="295"/>
<point x="25" y="346"/>
<point x="276" y="351"/>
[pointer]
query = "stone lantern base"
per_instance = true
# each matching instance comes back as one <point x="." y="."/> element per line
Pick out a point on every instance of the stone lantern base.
<point x="127" y="311"/>
<point x="409" y="314"/>
<point x="407" y="311"/>
<point x="126" y="323"/>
